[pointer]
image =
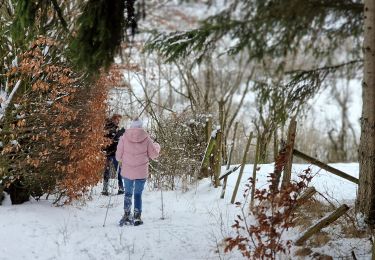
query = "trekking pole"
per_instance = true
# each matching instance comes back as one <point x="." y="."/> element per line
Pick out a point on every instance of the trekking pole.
<point x="161" y="190"/>
<point x="110" y="195"/>
<point x="162" y="201"/>
<point x="160" y="186"/>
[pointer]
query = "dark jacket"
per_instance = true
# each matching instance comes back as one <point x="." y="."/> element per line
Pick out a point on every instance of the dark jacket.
<point x="114" y="134"/>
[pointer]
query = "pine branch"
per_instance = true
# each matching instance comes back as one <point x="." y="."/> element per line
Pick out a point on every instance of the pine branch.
<point x="329" y="68"/>
<point x="267" y="28"/>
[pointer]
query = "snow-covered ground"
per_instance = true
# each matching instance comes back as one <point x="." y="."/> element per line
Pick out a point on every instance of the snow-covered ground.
<point x="194" y="226"/>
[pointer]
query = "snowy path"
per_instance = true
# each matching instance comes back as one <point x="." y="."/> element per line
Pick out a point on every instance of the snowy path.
<point x="37" y="230"/>
<point x="194" y="222"/>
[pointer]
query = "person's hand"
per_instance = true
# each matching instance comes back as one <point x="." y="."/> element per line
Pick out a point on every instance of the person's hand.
<point x="120" y="163"/>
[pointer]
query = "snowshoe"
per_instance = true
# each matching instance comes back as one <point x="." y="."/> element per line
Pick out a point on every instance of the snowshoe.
<point x="126" y="220"/>
<point x="137" y="219"/>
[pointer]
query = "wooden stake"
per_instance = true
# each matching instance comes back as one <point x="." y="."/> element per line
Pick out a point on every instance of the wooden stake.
<point x="244" y="157"/>
<point x="204" y="172"/>
<point x="254" y="173"/>
<point x="217" y="159"/>
<point x="307" y="194"/>
<point x="210" y="146"/>
<point x="229" y="161"/>
<point x="289" y="152"/>
<point x="208" y="129"/>
<point x="275" y="145"/>
<point x="322" y="223"/>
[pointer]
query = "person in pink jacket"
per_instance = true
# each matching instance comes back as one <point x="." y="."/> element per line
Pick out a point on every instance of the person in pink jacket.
<point x="134" y="150"/>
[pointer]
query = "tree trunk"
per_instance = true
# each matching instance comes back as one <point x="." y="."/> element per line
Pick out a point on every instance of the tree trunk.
<point x="366" y="189"/>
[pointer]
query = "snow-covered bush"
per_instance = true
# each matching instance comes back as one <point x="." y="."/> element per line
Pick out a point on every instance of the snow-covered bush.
<point x="183" y="141"/>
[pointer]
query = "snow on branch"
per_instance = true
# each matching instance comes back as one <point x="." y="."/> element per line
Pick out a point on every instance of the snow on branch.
<point x="5" y="103"/>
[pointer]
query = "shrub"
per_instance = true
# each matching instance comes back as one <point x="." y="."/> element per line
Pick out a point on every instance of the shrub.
<point x="259" y="230"/>
<point x="183" y="141"/>
<point x="53" y="133"/>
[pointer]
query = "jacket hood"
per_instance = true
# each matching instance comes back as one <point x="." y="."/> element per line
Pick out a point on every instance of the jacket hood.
<point x="136" y="135"/>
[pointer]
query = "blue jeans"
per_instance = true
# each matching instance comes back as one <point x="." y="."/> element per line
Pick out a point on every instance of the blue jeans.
<point x="107" y="174"/>
<point x="135" y="186"/>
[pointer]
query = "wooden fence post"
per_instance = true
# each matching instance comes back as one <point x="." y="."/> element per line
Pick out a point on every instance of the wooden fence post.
<point x="305" y="196"/>
<point x="204" y="171"/>
<point x="308" y="193"/>
<point x="321" y="224"/>
<point x="234" y="194"/>
<point x="208" y="128"/>
<point x="207" y="154"/>
<point x="217" y="159"/>
<point x="279" y="167"/>
<point x="229" y="161"/>
<point x="275" y="144"/>
<point x="289" y="152"/>
<point x="254" y="173"/>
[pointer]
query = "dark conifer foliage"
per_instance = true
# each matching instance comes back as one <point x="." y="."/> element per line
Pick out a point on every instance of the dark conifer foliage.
<point x="32" y="17"/>
<point x="102" y="27"/>
<point x="25" y="13"/>
<point x="94" y="38"/>
<point x="270" y="28"/>
<point x="100" y="32"/>
<point x="131" y="16"/>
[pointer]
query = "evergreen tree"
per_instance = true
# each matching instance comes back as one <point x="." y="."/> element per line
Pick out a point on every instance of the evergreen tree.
<point x="93" y="38"/>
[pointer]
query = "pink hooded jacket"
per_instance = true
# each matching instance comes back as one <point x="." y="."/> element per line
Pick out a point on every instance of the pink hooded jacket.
<point x="134" y="150"/>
